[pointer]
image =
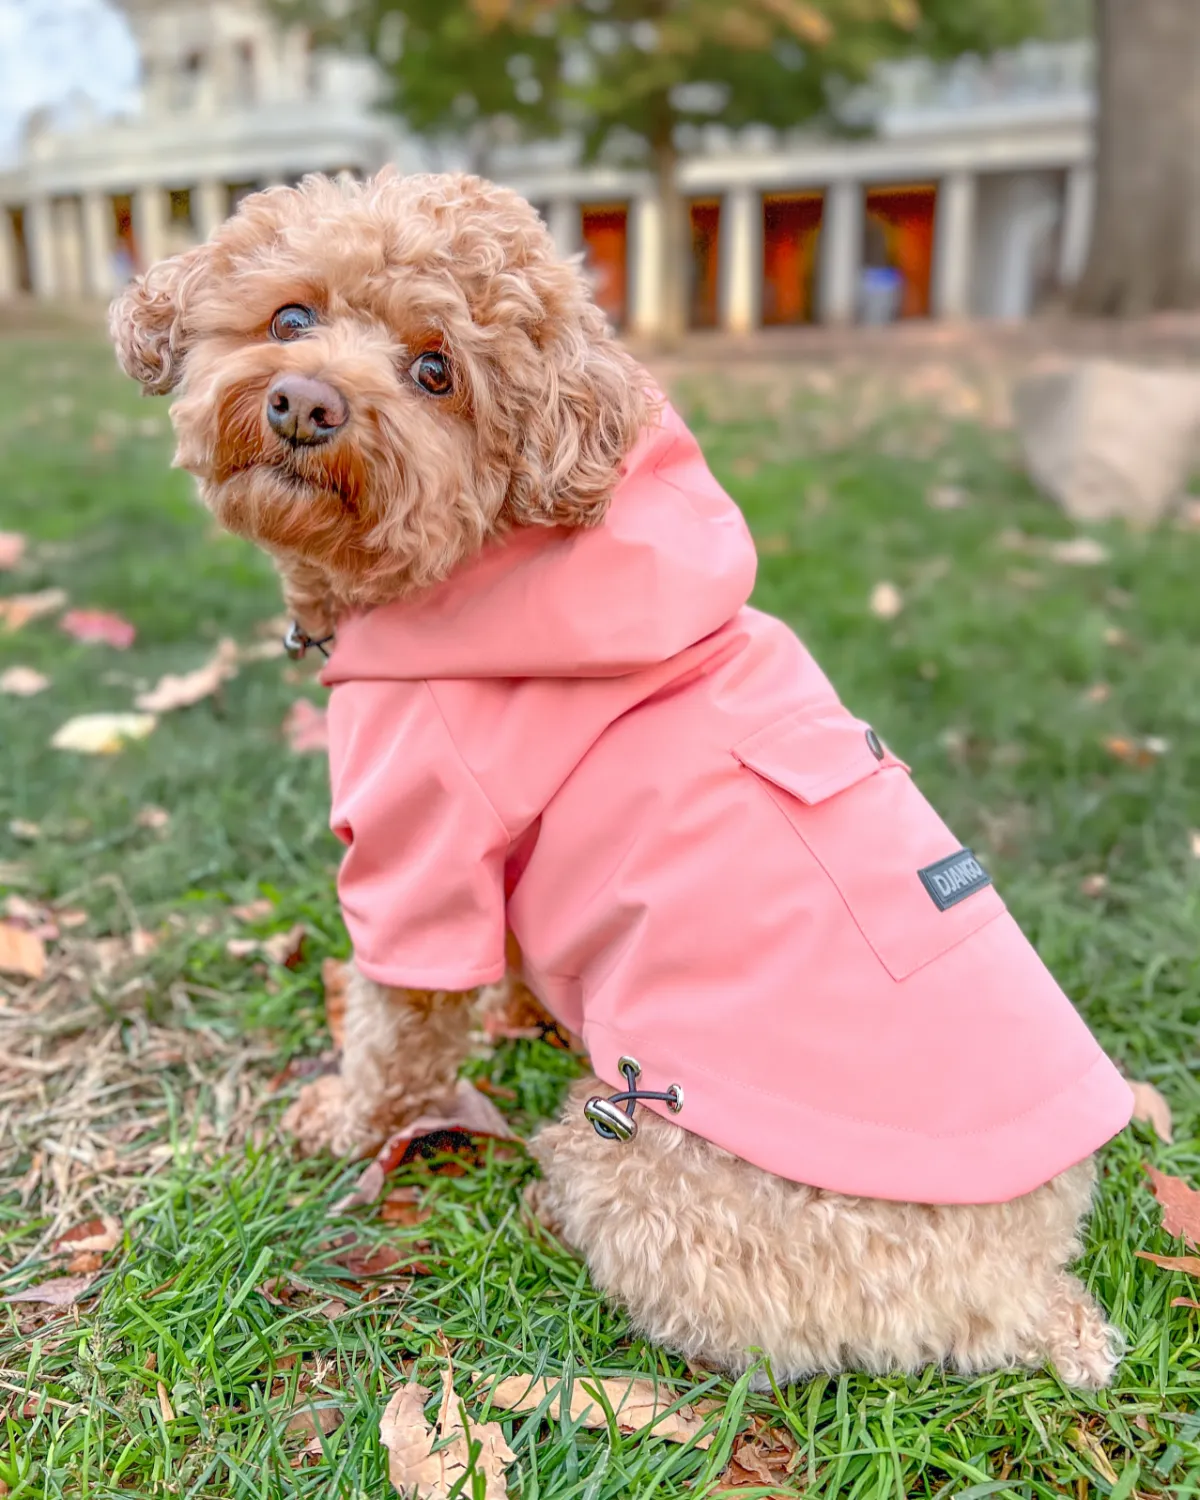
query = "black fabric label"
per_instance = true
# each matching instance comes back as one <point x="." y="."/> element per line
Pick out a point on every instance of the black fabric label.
<point x="954" y="878"/>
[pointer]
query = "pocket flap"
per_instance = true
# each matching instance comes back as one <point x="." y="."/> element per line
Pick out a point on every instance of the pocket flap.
<point x="816" y="753"/>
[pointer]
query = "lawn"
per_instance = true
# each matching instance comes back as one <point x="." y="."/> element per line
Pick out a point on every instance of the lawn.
<point x="235" y="1341"/>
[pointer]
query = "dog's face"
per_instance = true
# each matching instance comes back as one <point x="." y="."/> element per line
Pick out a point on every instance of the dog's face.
<point x="375" y="378"/>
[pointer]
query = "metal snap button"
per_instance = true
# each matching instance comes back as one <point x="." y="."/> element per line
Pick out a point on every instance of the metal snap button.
<point x="875" y="745"/>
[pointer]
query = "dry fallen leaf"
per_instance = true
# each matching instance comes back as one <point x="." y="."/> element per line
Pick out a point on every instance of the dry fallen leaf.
<point x="61" y="1291"/>
<point x="172" y="692"/>
<point x="403" y="1208"/>
<point x="1087" y="1445"/>
<point x="1095" y="884"/>
<point x="1149" y="1105"/>
<point x="416" y="1470"/>
<point x="946" y="497"/>
<point x="1099" y="692"/>
<point x="12" y="549"/>
<point x="309" y="1420"/>
<point x="1136" y="752"/>
<point x="1180" y="1205"/>
<point x="305" y="728"/>
<point x="466" y="1112"/>
<point x="637" y="1405"/>
<point x="241" y="947"/>
<point x="18" y="609"/>
<point x="155" y="818"/>
<point x="1194" y="842"/>
<point x="23" y="682"/>
<point x="102" y="734"/>
<point x="335" y="975"/>
<point x="886" y="601"/>
<point x="23" y="829"/>
<point x="765" y="1457"/>
<point x="99" y="1234"/>
<point x="98" y="627"/>
<point x="1078" y="551"/>
<point x="164" y="1404"/>
<point x="21" y="952"/>
<point x="1188" y="1263"/>
<point x="255" y="911"/>
<point x="285" y="947"/>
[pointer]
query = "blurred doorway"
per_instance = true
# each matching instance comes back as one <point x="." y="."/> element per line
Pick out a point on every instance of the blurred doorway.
<point x="791" y="236"/>
<point x="703" y="303"/>
<point x="898" y="238"/>
<point x="23" y="272"/>
<point x="605" y="228"/>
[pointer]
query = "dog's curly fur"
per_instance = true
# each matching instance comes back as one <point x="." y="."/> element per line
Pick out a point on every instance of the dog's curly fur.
<point x="711" y="1256"/>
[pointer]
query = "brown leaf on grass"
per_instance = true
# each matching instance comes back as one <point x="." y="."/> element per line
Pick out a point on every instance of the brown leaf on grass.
<point x="1150" y="1106"/>
<point x="1095" y="884"/>
<point x="17" y="610"/>
<point x="1180" y="1205"/>
<point x="285" y="947"/>
<point x="637" y="1404"/>
<point x="182" y="691"/>
<point x="99" y="1235"/>
<point x="12" y="549"/>
<point x="305" y="727"/>
<point x="255" y="911"/>
<point x="335" y="975"/>
<point x="886" y="601"/>
<point x="1087" y="1445"/>
<point x="416" y="1470"/>
<point x="60" y="1291"/>
<point x="764" y="1457"/>
<point x="1099" y="692"/>
<point x="21" y="952"/>
<point x="946" y="497"/>
<point x="1188" y="1263"/>
<point x="1194" y="842"/>
<point x="98" y="627"/>
<point x="466" y="1112"/>
<point x="23" y="829"/>
<point x="23" y="682"/>
<point x="403" y="1207"/>
<point x="308" y="1420"/>
<point x="102" y="734"/>
<point x="1136" y="752"/>
<point x="1185" y="1302"/>
<point x="241" y="947"/>
<point x="164" y="1404"/>
<point x="1078" y="552"/>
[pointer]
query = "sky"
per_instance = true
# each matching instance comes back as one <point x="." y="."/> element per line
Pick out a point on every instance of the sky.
<point x="54" y="50"/>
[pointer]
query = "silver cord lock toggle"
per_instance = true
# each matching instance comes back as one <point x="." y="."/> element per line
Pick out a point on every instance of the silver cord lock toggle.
<point x="617" y="1124"/>
<point x="296" y="643"/>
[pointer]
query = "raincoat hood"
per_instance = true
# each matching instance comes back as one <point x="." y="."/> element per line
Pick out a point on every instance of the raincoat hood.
<point x="670" y="564"/>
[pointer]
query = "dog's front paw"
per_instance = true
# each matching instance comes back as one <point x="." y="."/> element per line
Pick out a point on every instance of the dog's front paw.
<point x="322" y="1118"/>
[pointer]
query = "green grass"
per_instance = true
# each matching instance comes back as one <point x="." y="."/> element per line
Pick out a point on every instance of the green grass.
<point x="980" y="683"/>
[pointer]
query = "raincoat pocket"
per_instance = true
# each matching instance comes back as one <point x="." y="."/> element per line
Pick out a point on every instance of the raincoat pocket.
<point x="912" y="890"/>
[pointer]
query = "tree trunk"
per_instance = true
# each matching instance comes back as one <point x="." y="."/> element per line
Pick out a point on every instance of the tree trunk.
<point x="675" y="241"/>
<point x="1145" y="247"/>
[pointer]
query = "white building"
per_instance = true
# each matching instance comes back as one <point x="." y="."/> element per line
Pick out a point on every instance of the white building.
<point x="971" y="197"/>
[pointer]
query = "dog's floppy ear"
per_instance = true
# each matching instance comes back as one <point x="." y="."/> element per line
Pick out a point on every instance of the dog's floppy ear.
<point x="578" y="427"/>
<point x="147" y="320"/>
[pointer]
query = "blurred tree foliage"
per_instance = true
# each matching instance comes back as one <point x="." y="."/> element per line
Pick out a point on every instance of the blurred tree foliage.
<point x="632" y="78"/>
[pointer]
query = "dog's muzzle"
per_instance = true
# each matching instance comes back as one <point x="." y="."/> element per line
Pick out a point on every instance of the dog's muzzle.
<point x="617" y="1125"/>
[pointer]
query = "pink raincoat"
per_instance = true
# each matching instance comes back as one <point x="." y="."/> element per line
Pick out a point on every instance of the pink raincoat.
<point x="709" y="864"/>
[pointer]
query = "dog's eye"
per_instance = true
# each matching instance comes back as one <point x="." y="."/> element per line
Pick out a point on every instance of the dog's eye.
<point x="432" y="373"/>
<point x="291" y="321"/>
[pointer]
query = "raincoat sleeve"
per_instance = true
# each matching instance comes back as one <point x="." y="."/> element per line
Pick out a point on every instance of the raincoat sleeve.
<point x="422" y="879"/>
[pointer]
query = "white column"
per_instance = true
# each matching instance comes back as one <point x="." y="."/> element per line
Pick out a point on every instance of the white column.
<point x="97" y="244"/>
<point x="150" y="225"/>
<point x="645" y="253"/>
<point x="210" y="207"/>
<point x="39" y="235"/>
<point x="739" y="260"/>
<point x="1076" y="237"/>
<point x="841" y="252"/>
<point x="954" y="245"/>
<point x="68" y="240"/>
<point x="564" y="218"/>
<point x="9" y="275"/>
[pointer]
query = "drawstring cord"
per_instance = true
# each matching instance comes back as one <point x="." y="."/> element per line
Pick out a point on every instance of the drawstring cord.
<point x="608" y="1120"/>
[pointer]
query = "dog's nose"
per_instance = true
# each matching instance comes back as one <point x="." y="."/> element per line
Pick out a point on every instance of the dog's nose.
<point x="307" y="411"/>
